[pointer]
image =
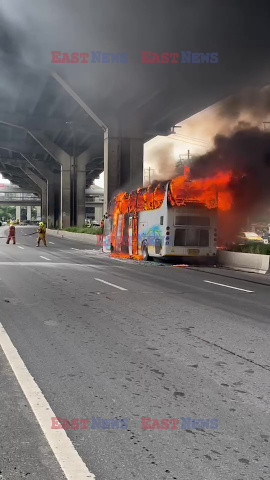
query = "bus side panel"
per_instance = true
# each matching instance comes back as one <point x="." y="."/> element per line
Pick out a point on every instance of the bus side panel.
<point x="151" y="231"/>
<point x="106" y="237"/>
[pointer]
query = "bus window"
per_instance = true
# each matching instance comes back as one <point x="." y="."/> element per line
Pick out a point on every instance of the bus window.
<point x="204" y="238"/>
<point x="192" y="220"/>
<point x="180" y="237"/>
<point x="191" y="237"/>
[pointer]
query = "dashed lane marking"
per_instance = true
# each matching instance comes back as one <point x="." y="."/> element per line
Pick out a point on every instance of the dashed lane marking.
<point x="52" y="243"/>
<point x="45" y="258"/>
<point x="22" y="248"/>
<point x="62" y="447"/>
<point x="111" y="284"/>
<point x="229" y="286"/>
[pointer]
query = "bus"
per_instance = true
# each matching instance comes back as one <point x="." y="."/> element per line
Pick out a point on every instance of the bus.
<point x="188" y="230"/>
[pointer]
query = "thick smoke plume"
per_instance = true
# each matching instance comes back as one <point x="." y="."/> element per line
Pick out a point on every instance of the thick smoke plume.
<point x="252" y="103"/>
<point x="247" y="154"/>
<point x="161" y="161"/>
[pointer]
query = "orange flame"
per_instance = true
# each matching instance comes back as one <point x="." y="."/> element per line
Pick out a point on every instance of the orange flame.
<point x="211" y="192"/>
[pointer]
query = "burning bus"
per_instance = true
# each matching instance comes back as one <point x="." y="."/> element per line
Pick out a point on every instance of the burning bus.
<point x="168" y="219"/>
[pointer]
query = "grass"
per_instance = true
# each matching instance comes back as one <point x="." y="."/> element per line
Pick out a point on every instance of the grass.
<point x="253" y="247"/>
<point x="89" y="230"/>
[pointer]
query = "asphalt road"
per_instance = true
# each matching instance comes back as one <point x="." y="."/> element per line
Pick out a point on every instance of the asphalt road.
<point x="119" y="339"/>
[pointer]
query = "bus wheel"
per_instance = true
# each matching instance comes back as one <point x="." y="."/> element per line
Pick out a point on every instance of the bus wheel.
<point x="145" y="253"/>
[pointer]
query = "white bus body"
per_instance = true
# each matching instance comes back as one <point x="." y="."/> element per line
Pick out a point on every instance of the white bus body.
<point x="187" y="231"/>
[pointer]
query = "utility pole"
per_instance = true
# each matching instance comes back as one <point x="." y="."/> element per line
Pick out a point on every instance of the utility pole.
<point x="147" y="173"/>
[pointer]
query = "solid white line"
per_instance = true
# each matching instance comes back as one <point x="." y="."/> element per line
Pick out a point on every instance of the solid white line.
<point x="45" y="258"/>
<point x="111" y="284"/>
<point x="21" y="247"/>
<point x="64" y="451"/>
<point x="229" y="286"/>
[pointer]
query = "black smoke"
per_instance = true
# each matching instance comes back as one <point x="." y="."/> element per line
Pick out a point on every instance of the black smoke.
<point x="247" y="154"/>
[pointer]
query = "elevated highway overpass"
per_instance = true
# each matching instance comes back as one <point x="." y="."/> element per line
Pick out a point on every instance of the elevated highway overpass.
<point x="62" y="124"/>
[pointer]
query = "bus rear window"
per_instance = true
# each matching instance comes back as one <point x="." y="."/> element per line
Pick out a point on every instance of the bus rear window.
<point x="186" y="220"/>
<point x="191" y="237"/>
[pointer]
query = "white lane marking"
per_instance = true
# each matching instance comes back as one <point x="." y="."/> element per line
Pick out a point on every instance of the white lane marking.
<point x="62" y="447"/>
<point x="52" y="243"/>
<point x="111" y="284"/>
<point x="21" y="247"/>
<point x="45" y="258"/>
<point x="229" y="286"/>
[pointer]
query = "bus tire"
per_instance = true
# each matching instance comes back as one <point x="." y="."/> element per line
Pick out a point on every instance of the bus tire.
<point x="145" y="253"/>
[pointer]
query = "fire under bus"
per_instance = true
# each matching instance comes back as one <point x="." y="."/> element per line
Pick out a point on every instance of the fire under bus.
<point x="173" y="219"/>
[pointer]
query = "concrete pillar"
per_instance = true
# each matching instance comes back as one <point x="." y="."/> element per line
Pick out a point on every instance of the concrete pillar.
<point x="42" y="184"/>
<point x="66" y="194"/>
<point x="38" y="213"/>
<point x="57" y="199"/>
<point x="18" y="213"/>
<point x="44" y="202"/>
<point x="29" y="213"/>
<point x="51" y="202"/>
<point x="112" y="162"/>
<point x="64" y="160"/>
<point x="98" y="213"/>
<point x="53" y="179"/>
<point x="123" y="165"/>
<point x="80" y="191"/>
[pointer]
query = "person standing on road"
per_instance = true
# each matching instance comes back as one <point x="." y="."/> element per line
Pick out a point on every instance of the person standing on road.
<point x="11" y="233"/>
<point x="41" y="234"/>
<point x="102" y="225"/>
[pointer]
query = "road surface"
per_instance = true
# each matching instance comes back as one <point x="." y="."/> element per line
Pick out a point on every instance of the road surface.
<point x="86" y="336"/>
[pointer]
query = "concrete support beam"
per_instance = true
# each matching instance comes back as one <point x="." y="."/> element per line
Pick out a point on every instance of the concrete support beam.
<point x="18" y="213"/>
<point x="42" y="184"/>
<point x="112" y="160"/>
<point x="65" y="162"/>
<point x="80" y="174"/>
<point x="53" y="184"/>
<point x="38" y="207"/>
<point x="80" y="193"/>
<point x="98" y="213"/>
<point x="123" y="165"/>
<point x="60" y="156"/>
<point x="29" y="213"/>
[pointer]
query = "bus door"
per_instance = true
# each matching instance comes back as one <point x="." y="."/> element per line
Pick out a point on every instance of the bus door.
<point x="106" y="237"/>
<point x="118" y="236"/>
<point x="132" y="235"/>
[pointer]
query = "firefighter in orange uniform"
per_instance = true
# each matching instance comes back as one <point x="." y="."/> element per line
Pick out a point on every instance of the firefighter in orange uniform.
<point x="11" y="233"/>
<point x="102" y="225"/>
<point x="41" y="234"/>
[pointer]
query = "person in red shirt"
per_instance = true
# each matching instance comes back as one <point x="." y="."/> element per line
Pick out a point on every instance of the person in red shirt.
<point x="102" y="225"/>
<point x="11" y="233"/>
